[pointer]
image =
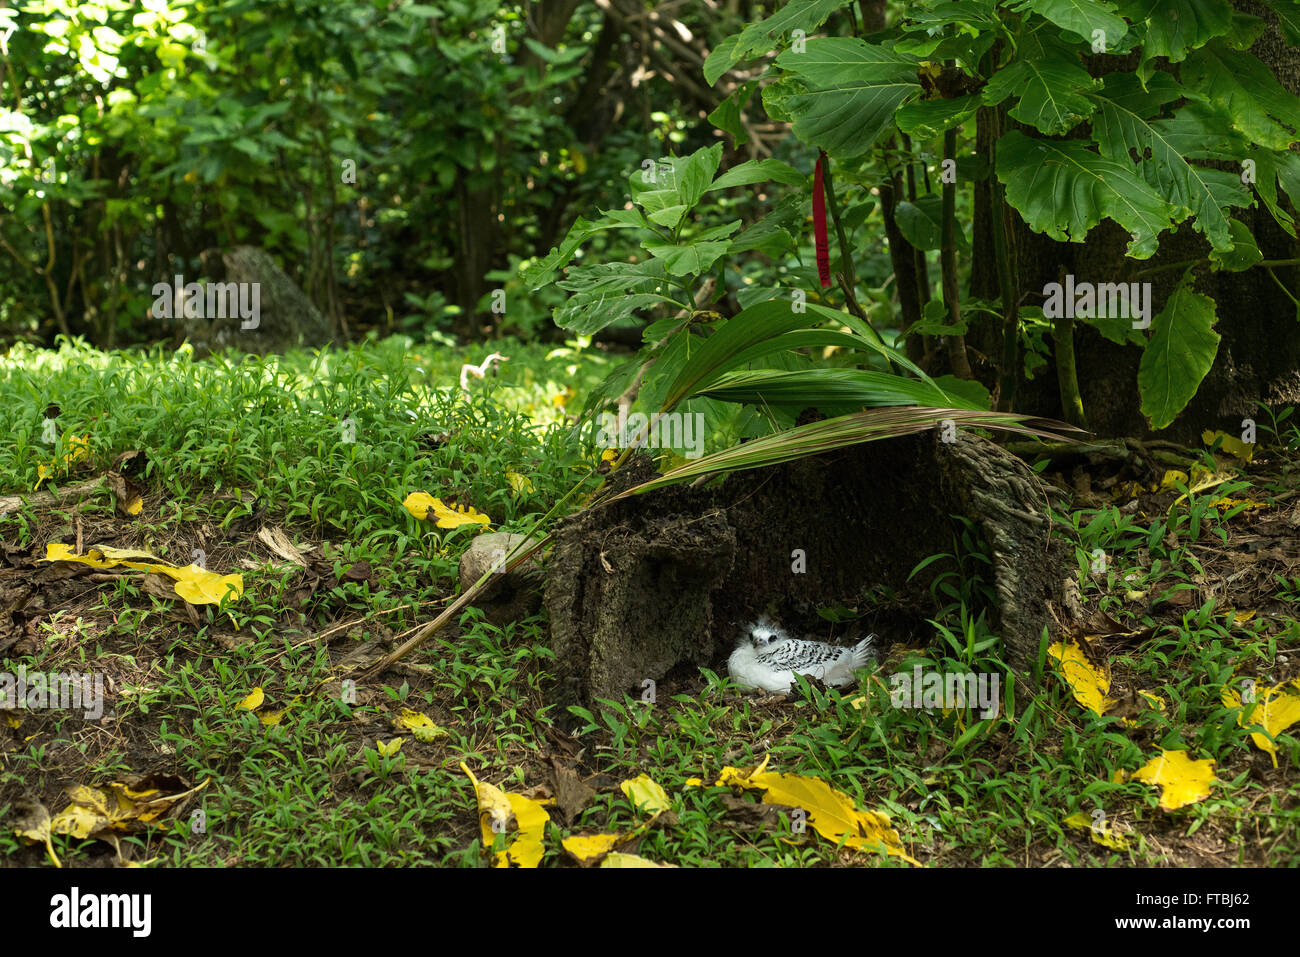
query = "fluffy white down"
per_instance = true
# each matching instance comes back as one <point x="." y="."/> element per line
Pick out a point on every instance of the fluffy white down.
<point x="746" y="669"/>
<point x="755" y="668"/>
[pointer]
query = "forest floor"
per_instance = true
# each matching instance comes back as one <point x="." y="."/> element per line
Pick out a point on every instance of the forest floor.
<point x="291" y="473"/>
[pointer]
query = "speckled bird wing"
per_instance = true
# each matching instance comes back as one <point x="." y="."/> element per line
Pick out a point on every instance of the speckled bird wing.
<point x="795" y="653"/>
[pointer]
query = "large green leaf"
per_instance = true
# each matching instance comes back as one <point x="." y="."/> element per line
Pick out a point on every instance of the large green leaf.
<point x="765" y="328"/>
<point x="926" y="119"/>
<point x="1244" y="252"/>
<point x="1179" y="355"/>
<point x="1063" y="189"/>
<point x="760" y="37"/>
<point x="842" y="93"/>
<point x="1163" y="147"/>
<point x="1050" y="91"/>
<point x="727" y="114"/>
<point x="970" y="393"/>
<point x="736" y="341"/>
<point x="543" y="272"/>
<point x="963" y="16"/>
<point x="669" y="189"/>
<point x="921" y="223"/>
<point x="691" y="258"/>
<point x="607" y="292"/>
<point x="870" y="338"/>
<point x="1248" y="92"/>
<point x="779" y="225"/>
<point x="759" y="171"/>
<point x="1081" y="17"/>
<point x="1175" y="27"/>
<point x="1269" y="165"/>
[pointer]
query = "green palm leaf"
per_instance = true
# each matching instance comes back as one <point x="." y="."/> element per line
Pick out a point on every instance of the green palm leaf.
<point x="822" y="387"/>
<point x="868" y="426"/>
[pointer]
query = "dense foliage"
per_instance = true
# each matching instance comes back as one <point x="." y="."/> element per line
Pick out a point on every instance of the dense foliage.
<point x="391" y="155"/>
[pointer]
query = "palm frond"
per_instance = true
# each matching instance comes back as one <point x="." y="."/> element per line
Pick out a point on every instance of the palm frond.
<point x="869" y="425"/>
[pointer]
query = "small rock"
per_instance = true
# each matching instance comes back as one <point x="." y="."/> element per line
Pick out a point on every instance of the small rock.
<point x="507" y="596"/>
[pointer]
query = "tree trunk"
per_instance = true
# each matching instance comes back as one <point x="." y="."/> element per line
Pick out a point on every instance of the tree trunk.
<point x="660" y="582"/>
<point x="478" y="244"/>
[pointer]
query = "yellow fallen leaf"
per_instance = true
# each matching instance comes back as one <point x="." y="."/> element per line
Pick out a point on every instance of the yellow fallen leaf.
<point x="149" y="803"/>
<point x="79" y="821"/>
<point x="493" y="807"/>
<point x="455" y="516"/>
<point x="389" y="748"/>
<point x="695" y="782"/>
<point x="1088" y="684"/>
<point x="645" y="794"/>
<point x="1202" y="480"/>
<point x="831" y="813"/>
<point x="93" y="812"/>
<point x="619" y="859"/>
<point x="120" y="556"/>
<point x="1276" y="709"/>
<point x="57" y="552"/>
<point x="1182" y="780"/>
<point x="1104" y="835"/>
<point x="739" y="777"/>
<point x="1249" y="504"/>
<point x="1127" y="490"/>
<point x="419" y="725"/>
<point x="196" y="585"/>
<point x="1156" y="701"/>
<point x="1108" y="837"/>
<point x="272" y="718"/>
<point x="1170" y="481"/>
<point x="498" y="810"/>
<point x="520" y="483"/>
<point x="201" y="587"/>
<point x="527" y="849"/>
<point x="33" y="824"/>
<point x="1230" y="444"/>
<point x="587" y="849"/>
<point x="418" y="504"/>
<point x="252" y="702"/>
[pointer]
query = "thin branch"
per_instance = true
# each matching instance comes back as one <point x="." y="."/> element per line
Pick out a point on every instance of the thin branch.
<point x="1285" y="291"/>
<point x="848" y="278"/>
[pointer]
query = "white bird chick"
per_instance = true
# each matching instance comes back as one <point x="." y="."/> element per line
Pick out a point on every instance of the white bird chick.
<point x="767" y="657"/>
<point x="479" y="371"/>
